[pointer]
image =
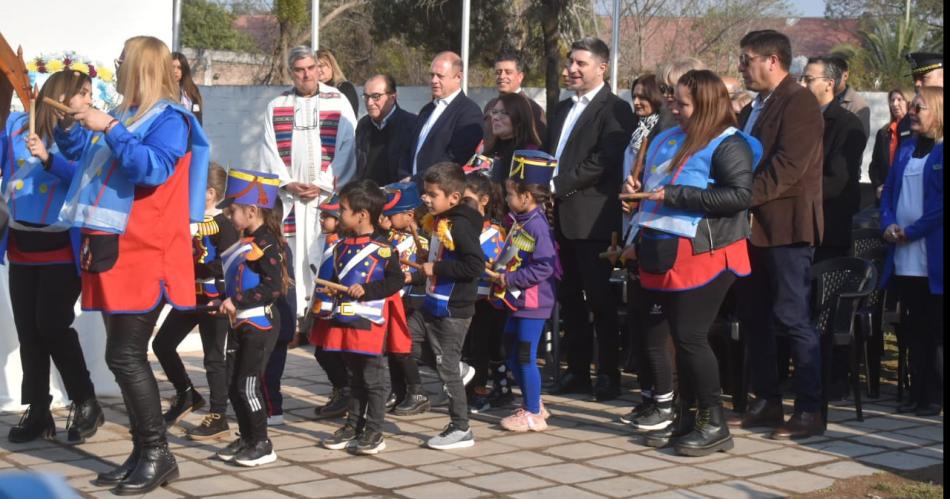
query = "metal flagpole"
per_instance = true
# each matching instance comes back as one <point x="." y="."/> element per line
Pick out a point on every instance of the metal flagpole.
<point x="315" y="25"/>
<point x="615" y="47"/>
<point x="176" y="26"/>
<point x="466" y="19"/>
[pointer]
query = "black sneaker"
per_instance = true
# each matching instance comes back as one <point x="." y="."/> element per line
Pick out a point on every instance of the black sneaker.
<point x="637" y="411"/>
<point x="212" y="426"/>
<point x="656" y="417"/>
<point x="370" y="442"/>
<point x="256" y="454"/>
<point x="502" y="398"/>
<point x="336" y="406"/>
<point x="342" y="438"/>
<point x="181" y="404"/>
<point x="227" y="454"/>
<point x="479" y="401"/>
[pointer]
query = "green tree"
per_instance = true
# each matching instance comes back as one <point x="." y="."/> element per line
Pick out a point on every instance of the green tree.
<point x="207" y="25"/>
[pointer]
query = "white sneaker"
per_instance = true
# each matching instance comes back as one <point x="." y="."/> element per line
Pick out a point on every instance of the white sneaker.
<point x="452" y="438"/>
<point x="275" y="420"/>
<point x="467" y="371"/>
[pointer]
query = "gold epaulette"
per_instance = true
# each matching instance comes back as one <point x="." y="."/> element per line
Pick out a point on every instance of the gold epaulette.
<point x="208" y="228"/>
<point x="523" y="241"/>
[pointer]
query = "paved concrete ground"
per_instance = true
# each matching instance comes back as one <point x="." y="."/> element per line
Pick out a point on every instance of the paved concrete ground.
<point x="586" y="453"/>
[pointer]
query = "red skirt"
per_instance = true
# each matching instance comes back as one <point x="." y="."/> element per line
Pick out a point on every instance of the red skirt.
<point x="693" y="271"/>
<point x="392" y="336"/>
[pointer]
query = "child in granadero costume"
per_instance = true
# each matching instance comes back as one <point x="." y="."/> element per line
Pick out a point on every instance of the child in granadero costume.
<point x="524" y="283"/>
<point x="367" y="320"/>
<point x="255" y="276"/>
<point x="331" y="362"/>
<point x="402" y="199"/>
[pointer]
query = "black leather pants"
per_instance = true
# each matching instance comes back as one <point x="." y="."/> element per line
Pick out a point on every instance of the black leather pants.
<point x="127" y="337"/>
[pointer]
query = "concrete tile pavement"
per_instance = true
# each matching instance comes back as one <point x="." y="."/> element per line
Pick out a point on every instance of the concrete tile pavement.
<point x="586" y="453"/>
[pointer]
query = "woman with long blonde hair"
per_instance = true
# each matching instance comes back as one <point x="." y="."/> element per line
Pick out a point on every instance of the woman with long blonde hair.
<point x="912" y="217"/>
<point x="143" y="173"/>
<point x="329" y="73"/>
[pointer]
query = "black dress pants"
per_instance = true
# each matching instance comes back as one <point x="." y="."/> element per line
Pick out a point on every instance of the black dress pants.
<point x="585" y="289"/>
<point x="43" y="297"/>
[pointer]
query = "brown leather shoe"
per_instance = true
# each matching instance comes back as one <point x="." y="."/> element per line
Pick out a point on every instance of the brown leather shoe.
<point x="800" y="425"/>
<point x="761" y="412"/>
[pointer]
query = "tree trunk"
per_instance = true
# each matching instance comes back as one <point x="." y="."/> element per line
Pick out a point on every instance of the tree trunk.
<point x="553" y="9"/>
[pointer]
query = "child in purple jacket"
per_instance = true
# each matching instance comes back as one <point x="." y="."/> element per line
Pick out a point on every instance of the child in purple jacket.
<point x="526" y="271"/>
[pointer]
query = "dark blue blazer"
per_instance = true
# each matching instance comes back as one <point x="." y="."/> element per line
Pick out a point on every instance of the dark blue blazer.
<point x="453" y="137"/>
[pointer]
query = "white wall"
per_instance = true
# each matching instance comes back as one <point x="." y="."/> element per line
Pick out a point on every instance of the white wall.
<point x="92" y="28"/>
<point x="232" y="117"/>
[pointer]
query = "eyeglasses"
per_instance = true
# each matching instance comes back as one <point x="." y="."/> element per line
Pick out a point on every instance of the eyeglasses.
<point x="498" y="112"/>
<point x="375" y="97"/>
<point x="916" y="108"/>
<point x="807" y="79"/>
<point x="745" y="59"/>
<point x="666" y="90"/>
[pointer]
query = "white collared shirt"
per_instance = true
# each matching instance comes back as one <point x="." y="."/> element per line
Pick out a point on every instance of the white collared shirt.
<point x="440" y="106"/>
<point x="382" y="124"/>
<point x="580" y="104"/>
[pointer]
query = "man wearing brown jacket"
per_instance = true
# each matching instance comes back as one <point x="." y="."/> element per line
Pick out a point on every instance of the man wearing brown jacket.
<point x="786" y="226"/>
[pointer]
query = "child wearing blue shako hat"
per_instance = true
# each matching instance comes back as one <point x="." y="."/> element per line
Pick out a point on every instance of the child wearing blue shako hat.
<point x="255" y="276"/>
<point x="524" y="281"/>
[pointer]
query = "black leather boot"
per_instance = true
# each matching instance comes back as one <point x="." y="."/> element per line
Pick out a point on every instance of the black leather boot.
<point x="710" y="434"/>
<point x="337" y="405"/>
<point x="116" y="475"/>
<point x="36" y="422"/>
<point x="156" y="466"/>
<point x="415" y="402"/>
<point x="86" y="419"/>
<point x="183" y="403"/>
<point x="683" y="417"/>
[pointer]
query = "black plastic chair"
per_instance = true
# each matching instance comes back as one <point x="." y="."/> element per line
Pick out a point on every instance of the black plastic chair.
<point x="840" y="287"/>
<point x="867" y="244"/>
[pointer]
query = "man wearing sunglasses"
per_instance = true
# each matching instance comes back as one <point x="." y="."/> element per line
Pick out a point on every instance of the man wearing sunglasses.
<point x="786" y="226"/>
<point x="384" y="135"/>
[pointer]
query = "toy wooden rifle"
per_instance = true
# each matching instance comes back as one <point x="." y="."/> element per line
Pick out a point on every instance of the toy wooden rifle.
<point x="15" y="80"/>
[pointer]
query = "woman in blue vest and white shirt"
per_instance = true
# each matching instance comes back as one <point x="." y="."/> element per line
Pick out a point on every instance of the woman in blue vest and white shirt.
<point x="691" y="247"/>
<point x="912" y="217"/>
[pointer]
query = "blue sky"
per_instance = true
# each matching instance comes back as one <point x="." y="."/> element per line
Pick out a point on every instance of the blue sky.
<point x="809" y="8"/>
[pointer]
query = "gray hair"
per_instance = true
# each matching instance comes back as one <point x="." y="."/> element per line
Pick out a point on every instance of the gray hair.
<point x="297" y="53"/>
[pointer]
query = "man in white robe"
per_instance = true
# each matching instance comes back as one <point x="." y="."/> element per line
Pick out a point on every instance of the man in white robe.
<point x="309" y="136"/>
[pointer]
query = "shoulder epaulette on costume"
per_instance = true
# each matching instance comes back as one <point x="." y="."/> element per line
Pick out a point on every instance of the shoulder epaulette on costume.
<point x="208" y="228"/>
<point x="443" y="231"/>
<point x="256" y="252"/>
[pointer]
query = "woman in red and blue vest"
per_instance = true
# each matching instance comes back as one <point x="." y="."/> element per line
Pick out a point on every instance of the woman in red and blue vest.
<point x="44" y="280"/>
<point x="691" y="246"/>
<point x="141" y="179"/>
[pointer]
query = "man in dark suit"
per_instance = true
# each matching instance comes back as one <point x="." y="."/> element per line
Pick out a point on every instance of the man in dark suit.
<point x="843" y="148"/>
<point x="848" y="98"/>
<point x="449" y="128"/>
<point x="786" y="226"/>
<point x="384" y="135"/>
<point x="588" y="133"/>
<point x="509" y="74"/>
